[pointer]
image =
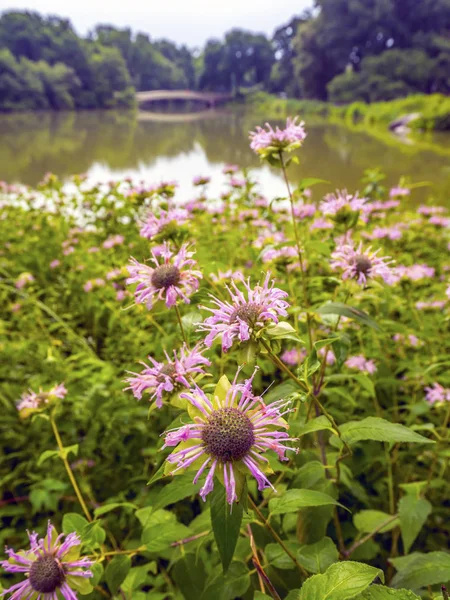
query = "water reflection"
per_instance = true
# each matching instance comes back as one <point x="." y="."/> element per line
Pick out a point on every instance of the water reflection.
<point x="157" y="146"/>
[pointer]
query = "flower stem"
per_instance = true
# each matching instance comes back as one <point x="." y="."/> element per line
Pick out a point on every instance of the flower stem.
<point x="276" y="537"/>
<point x="299" y="249"/>
<point x="274" y="358"/>
<point x="69" y="470"/>
<point x="370" y="535"/>
<point x="183" y="334"/>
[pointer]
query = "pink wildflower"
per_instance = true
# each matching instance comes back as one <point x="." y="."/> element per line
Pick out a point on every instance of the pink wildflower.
<point x="241" y="317"/>
<point x="269" y="141"/>
<point x="361" y="265"/>
<point x="340" y="203"/>
<point x="171" y="279"/>
<point x="230" y="435"/>
<point x="51" y="567"/>
<point x="34" y="401"/>
<point x="361" y="364"/>
<point x="167" y="221"/>
<point x="437" y="393"/>
<point x="55" y="263"/>
<point x="167" y="377"/>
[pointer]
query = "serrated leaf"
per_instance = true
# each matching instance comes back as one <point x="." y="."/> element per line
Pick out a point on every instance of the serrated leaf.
<point x="230" y="586"/>
<point x="116" y="571"/>
<point x="281" y="331"/>
<point x="340" y="582"/>
<point x="226" y="523"/>
<point x="293" y="500"/>
<point x="420" y="570"/>
<point x="190" y="575"/>
<point x="157" y="538"/>
<point x="413" y="513"/>
<point x="106" y="508"/>
<point x="367" y="521"/>
<point x="380" y="430"/>
<point x="380" y="592"/>
<point x="316" y="558"/>
<point x="73" y="522"/>
<point x="278" y="558"/>
<point x="180" y="487"/>
<point x="318" y="424"/>
<point x="343" y="310"/>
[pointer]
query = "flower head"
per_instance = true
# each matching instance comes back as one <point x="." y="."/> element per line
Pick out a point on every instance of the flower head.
<point x="342" y="207"/>
<point x="361" y="265"/>
<point x="437" y="393"/>
<point x="167" y="222"/>
<point x="32" y="401"/>
<point x="172" y="277"/>
<point x="270" y="142"/>
<point x="245" y="314"/>
<point x="397" y="192"/>
<point x="201" y="180"/>
<point x="166" y="377"/>
<point x="51" y="567"/>
<point x="229" y="436"/>
<point x="361" y="364"/>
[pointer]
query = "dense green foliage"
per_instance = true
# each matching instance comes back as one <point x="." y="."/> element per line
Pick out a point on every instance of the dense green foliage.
<point x="433" y="111"/>
<point x="365" y="501"/>
<point x="342" y="51"/>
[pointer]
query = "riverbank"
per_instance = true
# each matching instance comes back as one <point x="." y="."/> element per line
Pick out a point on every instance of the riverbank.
<point x="433" y="110"/>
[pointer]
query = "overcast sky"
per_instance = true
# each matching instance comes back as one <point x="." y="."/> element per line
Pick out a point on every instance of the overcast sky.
<point x="190" y="22"/>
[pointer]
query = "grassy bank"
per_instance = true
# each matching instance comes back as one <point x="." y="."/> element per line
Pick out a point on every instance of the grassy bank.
<point x="434" y="110"/>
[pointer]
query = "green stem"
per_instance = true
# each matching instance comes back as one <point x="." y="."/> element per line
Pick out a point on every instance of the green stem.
<point x="276" y="537"/>
<point x="299" y="250"/>
<point x="69" y="470"/>
<point x="274" y="358"/>
<point x="183" y="335"/>
<point x="370" y="535"/>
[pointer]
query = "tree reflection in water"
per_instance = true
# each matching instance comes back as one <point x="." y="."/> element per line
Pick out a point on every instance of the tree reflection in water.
<point x="69" y="143"/>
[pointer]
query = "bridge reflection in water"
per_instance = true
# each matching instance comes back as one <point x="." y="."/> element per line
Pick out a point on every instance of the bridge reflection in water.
<point x="211" y="99"/>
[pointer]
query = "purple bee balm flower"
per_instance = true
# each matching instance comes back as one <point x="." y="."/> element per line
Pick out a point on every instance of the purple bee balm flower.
<point x="243" y="316"/>
<point x="437" y="393"/>
<point x="23" y="280"/>
<point x="201" y="180"/>
<point x="414" y="272"/>
<point x="32" y="401"/>
<point x="113" y="240"/>
<point x="430" y="210"/>
<point x="392" y="233"/>
<point x="361" y="265"/>
<point x="229" y="435"/>
<point x="341" y="202"/>
<point x="434" y="304"/>
<point x="439" y="221"/>
<point x="286" y="253"/>
<point x="167" y="377"/>
<point x="171" y="278"/>
<point x="293" y="357"/>
<point x="397" y="192"/>
<point x="302" y="211"/>
<point x="237" y="182"/>
<point x="362" y="364"/>
<point x="170" y="219"/>
<point x="320" y="224"/>
<point x="51" y="567"/>
<point x="55" y="263"/>
<point x="269" y="141"/>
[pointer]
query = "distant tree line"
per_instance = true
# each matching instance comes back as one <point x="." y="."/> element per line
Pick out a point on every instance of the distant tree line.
<point x="341" y="50"/>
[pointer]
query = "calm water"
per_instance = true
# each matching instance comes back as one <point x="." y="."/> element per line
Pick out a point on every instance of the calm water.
<point x="153" y="147"/>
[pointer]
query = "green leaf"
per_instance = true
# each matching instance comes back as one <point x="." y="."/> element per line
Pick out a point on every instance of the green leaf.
<point x="308" y="182"/>
<point x="317" y="424"/>
<point x="226" y="523"/>
<point x="293" y="500"/>
<point x="190" y="575"/>
<point x="341" y="581"/>
<point x="69" y="450"/>
<point x="106" y="508"/>
<point x="367" y="521"/>
<point x="380" y="592"/>
<point x="157" y="538"/>
<point x="180" y="487"/>
<point x="278" y="558"/>
<point x="73" y="522"/>
<point x="116" y="571"/>
<point x="380" y="430"/>
<point x="148" y="516"/>
<point x="230" y="586"/>
<point x="343" y="310"/>
<point x="413" y="514"/>
<point x="328" y="342"/>
<point x="420" y="570"/>
<point x="281" y="331"/>
<point x="46" y="455"/>
<point x="316" y="558"/>
<point x="260" y="596"/>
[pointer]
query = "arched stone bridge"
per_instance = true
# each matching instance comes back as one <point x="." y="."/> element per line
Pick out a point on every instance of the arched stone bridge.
<point x="208" y="98"/>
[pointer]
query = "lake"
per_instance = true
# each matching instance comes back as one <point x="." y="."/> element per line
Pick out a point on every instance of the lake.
<point x="160" y="146"/>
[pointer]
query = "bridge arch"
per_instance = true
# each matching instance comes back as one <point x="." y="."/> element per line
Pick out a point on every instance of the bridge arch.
<point x="211" y="99"/>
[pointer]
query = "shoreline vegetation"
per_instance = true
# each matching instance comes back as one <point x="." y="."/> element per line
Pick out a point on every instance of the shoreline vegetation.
<point x="433" y="111"/>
